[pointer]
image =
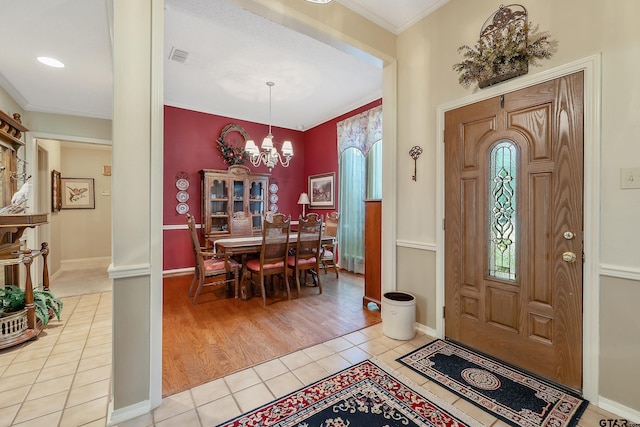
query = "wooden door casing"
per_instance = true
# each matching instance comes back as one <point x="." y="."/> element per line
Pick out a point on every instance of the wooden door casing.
<point x="535" y="320"/>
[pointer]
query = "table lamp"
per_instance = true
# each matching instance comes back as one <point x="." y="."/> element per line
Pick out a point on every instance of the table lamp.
<point x="303" y="200"/>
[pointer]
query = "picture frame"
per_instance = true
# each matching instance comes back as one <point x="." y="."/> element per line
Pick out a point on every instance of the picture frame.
<point x="322" y="191"/>
<point x="77" y="193"/>
<point x="56" y="195"/>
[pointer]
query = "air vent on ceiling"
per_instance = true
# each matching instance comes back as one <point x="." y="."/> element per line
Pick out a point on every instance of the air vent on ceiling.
<point x="178" y="55"/>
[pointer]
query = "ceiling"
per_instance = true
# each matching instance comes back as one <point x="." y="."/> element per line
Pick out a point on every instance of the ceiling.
<point x="232" y="53"/>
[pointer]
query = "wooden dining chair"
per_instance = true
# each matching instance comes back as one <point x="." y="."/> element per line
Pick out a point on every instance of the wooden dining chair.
<point x="209" y="265"/>
<point x="328" y="256"/>
<point x="273" y="254"/>
<point x="241" y="224"/>
<point x="307" y="252"/>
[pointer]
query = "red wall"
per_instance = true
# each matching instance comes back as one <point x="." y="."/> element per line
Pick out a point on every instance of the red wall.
<point x="190" y="145"/>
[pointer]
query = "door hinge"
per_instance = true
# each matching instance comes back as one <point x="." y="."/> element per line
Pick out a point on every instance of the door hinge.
<point x="501" y="101"/>
<point x="443" y="311"/>
<point x="443" y="224"/>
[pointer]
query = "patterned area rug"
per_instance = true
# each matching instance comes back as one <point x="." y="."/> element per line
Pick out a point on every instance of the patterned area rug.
<point x="511" y="395"/>
<point x="362" y="395"/>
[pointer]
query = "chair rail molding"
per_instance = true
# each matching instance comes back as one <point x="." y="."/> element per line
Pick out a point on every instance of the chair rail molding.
<point x="620" y="272"/>
<point x="416" y="245"/>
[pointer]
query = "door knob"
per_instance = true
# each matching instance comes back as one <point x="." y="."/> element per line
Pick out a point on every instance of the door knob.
<point x="568" y="235"/>
<point x="569" y="257"/>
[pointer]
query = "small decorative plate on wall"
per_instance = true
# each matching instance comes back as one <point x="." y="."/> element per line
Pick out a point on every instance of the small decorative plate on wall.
<point x="182" y="208"/>
<point x="182" y="196"/>
<point x="273" y="188"/>
<point x="273" y="198"/>
<point x="182" y="184"/>
<point x="273" y="208"/>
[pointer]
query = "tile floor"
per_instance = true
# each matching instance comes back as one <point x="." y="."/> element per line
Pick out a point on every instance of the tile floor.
<point x="63" y="378"/>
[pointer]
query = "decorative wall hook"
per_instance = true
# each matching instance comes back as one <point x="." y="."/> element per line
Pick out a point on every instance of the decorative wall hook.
<point x="415" y="153"/>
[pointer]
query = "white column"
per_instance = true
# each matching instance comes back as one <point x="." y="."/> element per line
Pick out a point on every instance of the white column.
<point x="136" y="270"/>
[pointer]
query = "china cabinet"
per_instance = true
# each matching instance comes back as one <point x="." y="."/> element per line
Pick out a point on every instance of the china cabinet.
<point x="227" y="192"/>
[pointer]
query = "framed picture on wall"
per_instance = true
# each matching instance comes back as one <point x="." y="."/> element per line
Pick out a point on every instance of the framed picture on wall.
<point x="56" y="196"/>
<point x="322" y="191"/>
<point x="77" y="193"/>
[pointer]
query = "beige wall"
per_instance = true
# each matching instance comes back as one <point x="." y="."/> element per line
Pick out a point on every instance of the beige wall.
<point x="620" y="340"/>
<point x="426" y="53"/>
<point x="54" y="237"/>
<point x="86" y="233"/>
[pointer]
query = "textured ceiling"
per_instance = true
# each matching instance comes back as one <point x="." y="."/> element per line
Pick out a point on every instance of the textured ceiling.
<point x="232" y="54"/>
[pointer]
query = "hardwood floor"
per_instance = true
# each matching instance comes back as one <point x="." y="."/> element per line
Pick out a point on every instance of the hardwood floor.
<point x="220" y="336"/>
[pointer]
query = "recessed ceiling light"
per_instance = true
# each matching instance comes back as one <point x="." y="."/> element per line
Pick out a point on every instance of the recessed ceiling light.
<point x="50" y="62"/>
<point x="319" y="1"/>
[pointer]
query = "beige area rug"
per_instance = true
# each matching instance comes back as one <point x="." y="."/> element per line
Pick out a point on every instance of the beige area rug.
<point x="80" y="281"/>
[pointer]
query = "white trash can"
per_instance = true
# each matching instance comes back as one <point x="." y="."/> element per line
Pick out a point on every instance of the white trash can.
<point x="398" y="315"/>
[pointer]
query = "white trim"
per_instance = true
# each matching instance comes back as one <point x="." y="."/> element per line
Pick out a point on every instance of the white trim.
<point x="591" y="285"/>
<point x="126" y="271"/>
<point x="171" y="227"/>
<point x="115" y="417"/>
<point x="177" y="272"/>
<point x="156" y="201"/>
<point x="389" y="178"/>
<point x="622" y="411"/>
<point x="416" y="245"/>
<point x="63" y="138"/>
<point x="425" y="330"/>
<point x="620" y="272"/>
<point x="70" y="264"/>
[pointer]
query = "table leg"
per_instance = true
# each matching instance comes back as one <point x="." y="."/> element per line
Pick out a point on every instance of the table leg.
<point x="245" y="291"/>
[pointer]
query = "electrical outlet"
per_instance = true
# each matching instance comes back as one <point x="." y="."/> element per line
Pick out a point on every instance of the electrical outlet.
<point x="629" y="178"/>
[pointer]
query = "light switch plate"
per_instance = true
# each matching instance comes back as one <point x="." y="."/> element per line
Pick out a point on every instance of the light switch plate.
<point x="629" y="178"/>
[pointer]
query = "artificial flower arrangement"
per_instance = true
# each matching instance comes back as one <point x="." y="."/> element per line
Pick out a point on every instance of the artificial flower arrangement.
<point x="504" y="50"/>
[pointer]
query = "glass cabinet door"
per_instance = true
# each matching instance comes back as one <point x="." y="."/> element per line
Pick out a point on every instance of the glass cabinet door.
<point x="257" y="194"/>
<point x="238" y="196"/>
<point x="219" y="205"/>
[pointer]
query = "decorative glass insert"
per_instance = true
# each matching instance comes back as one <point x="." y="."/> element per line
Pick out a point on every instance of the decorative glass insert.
<point x="502" y="210"/>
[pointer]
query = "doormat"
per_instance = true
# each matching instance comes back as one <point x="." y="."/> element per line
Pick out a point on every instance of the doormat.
<point x="513" y="396"/>
<point x="367" y="394"/>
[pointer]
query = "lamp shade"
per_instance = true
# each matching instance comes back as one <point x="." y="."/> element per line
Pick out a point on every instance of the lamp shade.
<point x="304" y="199"/>
<point x="287" y="149"/>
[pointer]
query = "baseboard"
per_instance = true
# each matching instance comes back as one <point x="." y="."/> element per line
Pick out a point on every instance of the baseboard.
<point x="127" y="413"/>
<point x="425" y="330"/>
<point x="177" y="272"/>
<point x="70" y="264"/>
<point x="629" y="414"/>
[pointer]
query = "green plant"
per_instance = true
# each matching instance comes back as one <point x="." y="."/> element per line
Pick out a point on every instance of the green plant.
<point x="501" y="50"/>
<point x="12" y="299"/>
<point x="45" y="303"/>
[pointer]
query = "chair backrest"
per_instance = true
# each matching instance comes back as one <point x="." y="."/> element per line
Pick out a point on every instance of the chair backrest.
<point x="195" y="242"/>
<point x="331" y="224"/>
<point x="241" y="224"/>
<point x="309" y="236"/>
<point x="275" y="239"/>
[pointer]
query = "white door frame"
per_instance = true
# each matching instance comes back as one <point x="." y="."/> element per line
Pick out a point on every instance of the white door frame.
<point x="591" y="66"/>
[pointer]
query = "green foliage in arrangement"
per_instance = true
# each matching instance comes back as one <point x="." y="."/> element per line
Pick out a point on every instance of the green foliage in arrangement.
<point x="232" y="155"/>
<point x="12" y="299"/>
<point x="502" y="51"/>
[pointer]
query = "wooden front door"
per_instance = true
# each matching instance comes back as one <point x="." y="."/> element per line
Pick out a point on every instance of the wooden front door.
<point x="513" y="234"/>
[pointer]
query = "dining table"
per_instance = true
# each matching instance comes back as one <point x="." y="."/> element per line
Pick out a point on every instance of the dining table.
<point x="243" y="246"/>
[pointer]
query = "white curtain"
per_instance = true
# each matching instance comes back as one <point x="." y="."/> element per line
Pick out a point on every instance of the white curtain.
<point x="360" y="177"/>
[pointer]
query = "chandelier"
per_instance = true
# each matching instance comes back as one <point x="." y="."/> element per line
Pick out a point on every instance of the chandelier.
<point x="269" y="155"/>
